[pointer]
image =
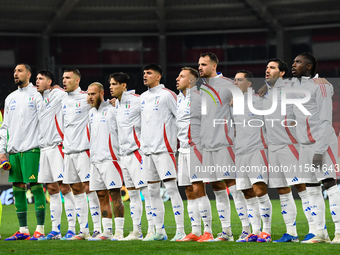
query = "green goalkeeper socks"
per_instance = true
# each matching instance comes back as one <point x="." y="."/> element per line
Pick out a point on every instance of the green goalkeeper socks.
<point x="40" y="202"/>
<point x="20" y="205"/>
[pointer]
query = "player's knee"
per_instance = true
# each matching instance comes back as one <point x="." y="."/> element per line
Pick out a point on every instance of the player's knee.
<point x="248" y="193"/>
<point x="115" y="194"/>
<point x="52" y="188"/>
<point x="77" y="188"/>
<point x="189" y="192"/>
<point x="218" y="186"/>
<point x="284" y="190"/>
<point x="312" y="184"/>
<point x="65" y="189"/>
<point x="300" y="187"/>
<point x="328" y="183"/>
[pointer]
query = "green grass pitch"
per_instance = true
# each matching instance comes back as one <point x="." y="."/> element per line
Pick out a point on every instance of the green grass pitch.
<point x="10" y="225"/>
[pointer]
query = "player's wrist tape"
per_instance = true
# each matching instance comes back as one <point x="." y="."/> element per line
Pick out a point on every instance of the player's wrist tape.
<point x="5" y="165"/>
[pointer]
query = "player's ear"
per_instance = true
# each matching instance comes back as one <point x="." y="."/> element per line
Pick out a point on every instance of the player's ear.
<point x="309" y="67"/>
<point x="159" y="77"/>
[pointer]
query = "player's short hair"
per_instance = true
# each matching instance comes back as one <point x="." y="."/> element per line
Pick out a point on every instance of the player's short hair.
<point x="192" y="71"/>
<point x="154" y="67"/>
<point x="312" y="60"/>
<point x="28" y="68"/>
<point x="120" y="78"/>
<point x="247" y="74"/>
<point x="98" y="84"/>
<point x="283" y="67"/>
<point x="211" y="55"/>
<point x="48" y="74"/>
<point x="73" y="70"/>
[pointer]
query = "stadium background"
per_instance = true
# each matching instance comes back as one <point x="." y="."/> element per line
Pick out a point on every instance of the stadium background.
<point x="105" y="36"/>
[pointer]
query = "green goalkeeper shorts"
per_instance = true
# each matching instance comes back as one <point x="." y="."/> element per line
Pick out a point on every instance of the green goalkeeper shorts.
<point x="25" y="166"/>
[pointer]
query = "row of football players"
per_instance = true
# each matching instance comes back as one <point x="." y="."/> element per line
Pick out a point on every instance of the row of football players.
<point x="153" y="114"/>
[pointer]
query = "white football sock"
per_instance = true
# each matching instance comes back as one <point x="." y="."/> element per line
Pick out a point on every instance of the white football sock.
<point x="317" y="205"/>
<point x="241" y="207"/>
<point x="254" y="215"/>
<point x="119" y="225"/>
<point x="177" y="204"/>
<point x="157" y="207"/>
<point x="55" y="209"/>
<point x="307" y="210"/>
<point x="334" y="206"/>
<point x="82" y="212"/>
<point x="266" y="212"/>
<point x="24" y="230"/>
<point x="223" y="209"/>
<point x="95" y="211"/>
<point x="40" y="229"/>
<point x="136" y="208"/>
<point x="205" y="212"/>
<point x="194" y="216"/>
<point x="70" y="210"/>
<point x="146" y="195"/>
<point x="107" y="225"/>
<point x="288" y="211"/>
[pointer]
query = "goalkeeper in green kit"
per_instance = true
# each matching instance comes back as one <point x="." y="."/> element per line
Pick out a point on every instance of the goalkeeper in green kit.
<point x="19" y="138"/>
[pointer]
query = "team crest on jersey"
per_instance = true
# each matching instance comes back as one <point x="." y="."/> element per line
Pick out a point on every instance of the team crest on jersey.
<point x="47" y="100"/>
<point x="187" y="108"/>
<point x="155" y="107"/>
<point x="78" y="109"/>
<point x="30" y="101"/>
<point x="104" y="113"/>
<point x="127" y="108"/>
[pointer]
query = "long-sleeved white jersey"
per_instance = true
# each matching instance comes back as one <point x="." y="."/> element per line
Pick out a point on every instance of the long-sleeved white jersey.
<point x="76" y="116"/>
<point x="128" y="115"/>
<point x="50" y="115"/>
<point x="316" y="128"/>
<point x="19" y="131"/>
<point x="158" y="120"/>
<point x="103" y="133"/>
<point x="279" y="132"/>
<point x="250" y="134"/>
<point x="189" y="119"/>
<point x="215" y="99"/>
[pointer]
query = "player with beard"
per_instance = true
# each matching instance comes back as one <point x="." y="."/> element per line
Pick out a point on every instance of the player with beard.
<point x="52" y="158"/>
<point x="77" y="159"/>
<point x="19" y="138"/>
<point x="218" y="146"/>
<point x="105" y="175"/>
<point x="283" y="151"/>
